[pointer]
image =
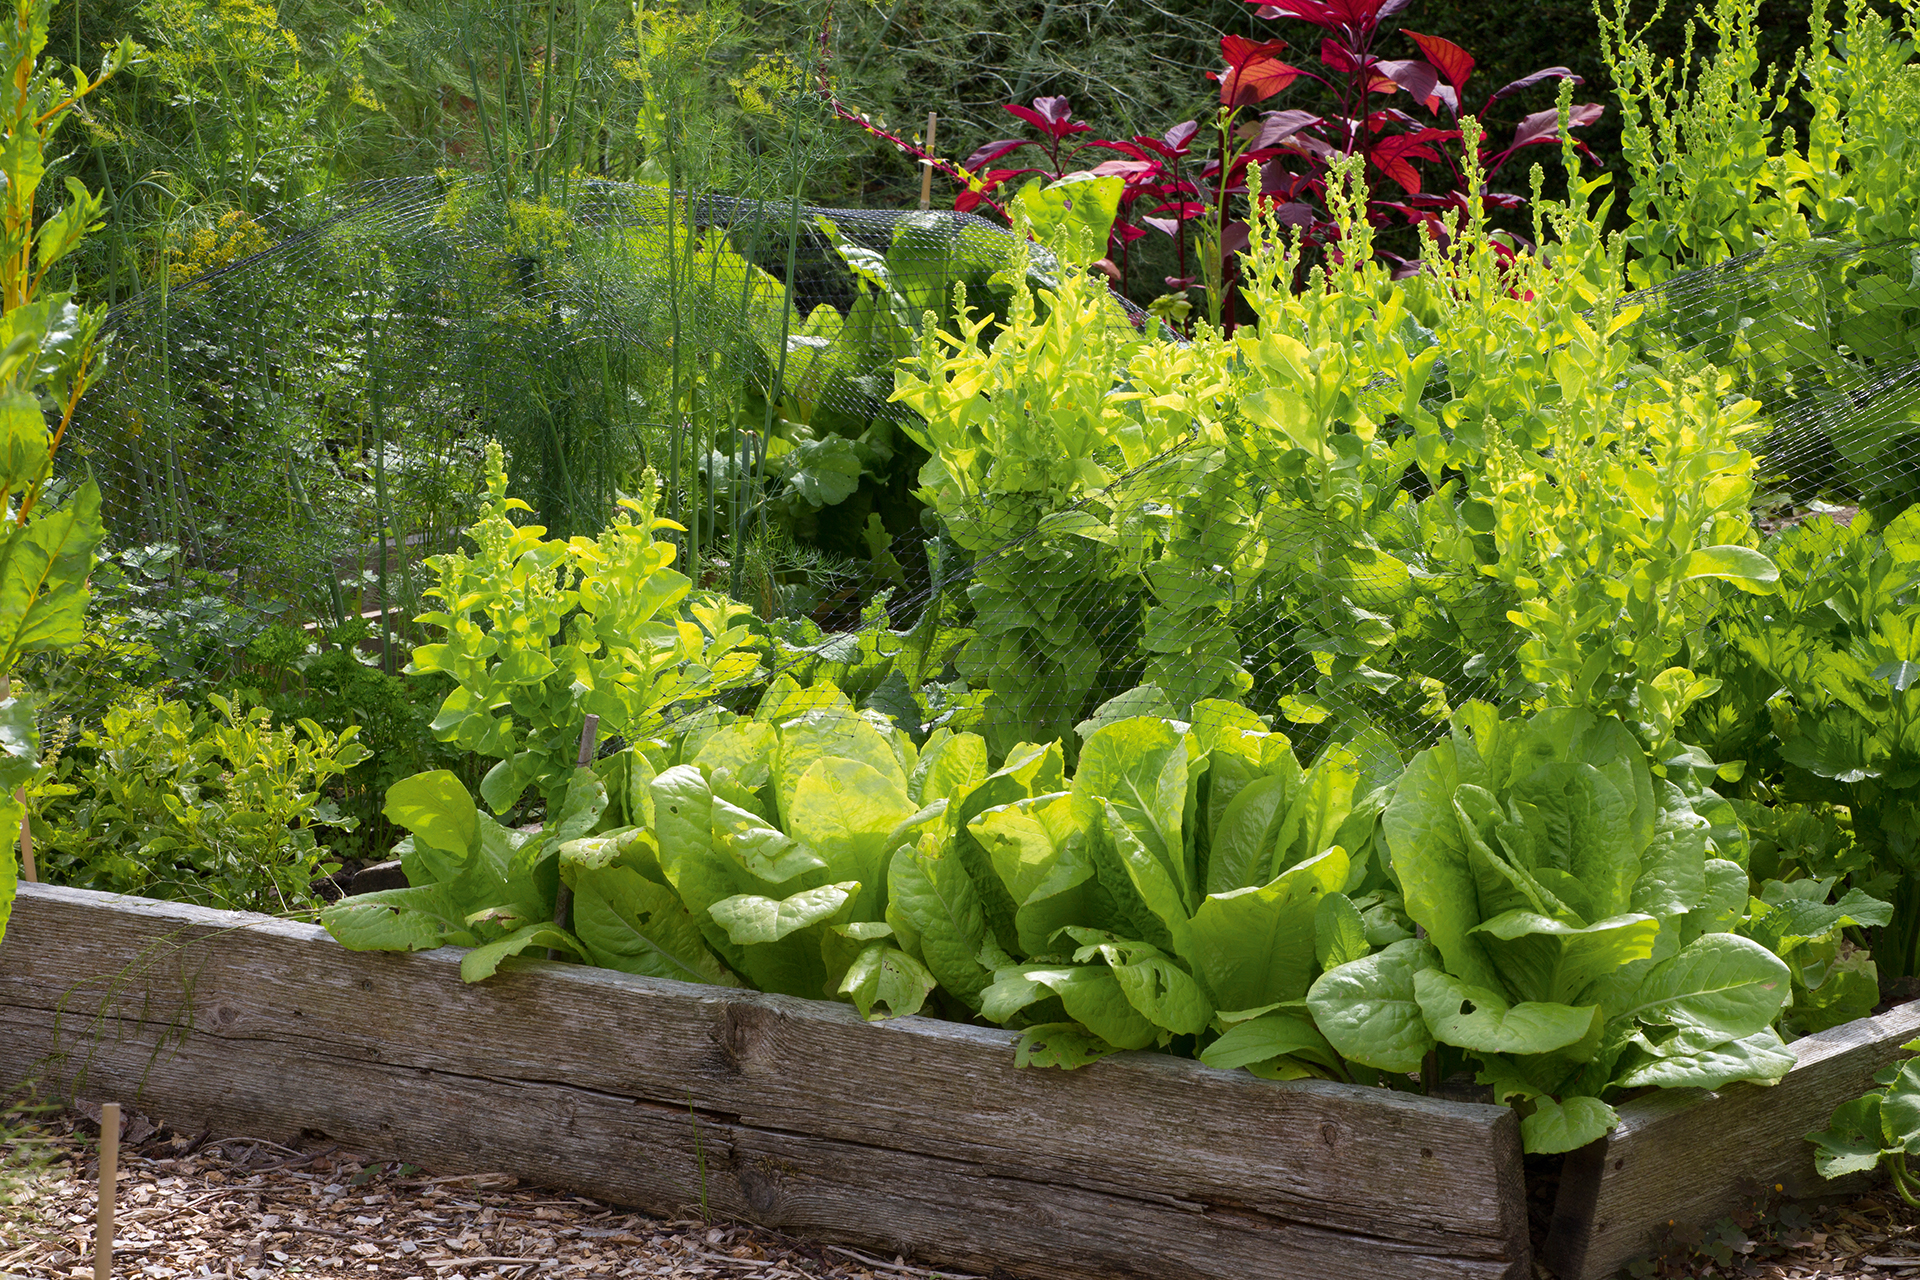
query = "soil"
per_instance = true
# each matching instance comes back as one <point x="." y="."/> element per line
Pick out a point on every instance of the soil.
<point x="242" y="1208"/>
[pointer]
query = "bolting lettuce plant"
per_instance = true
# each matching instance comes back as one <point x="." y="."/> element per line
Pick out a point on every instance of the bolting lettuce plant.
<point x="541" y="633"/>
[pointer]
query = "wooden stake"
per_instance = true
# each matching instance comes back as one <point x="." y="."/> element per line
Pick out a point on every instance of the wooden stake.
<point x="27" y="870"/>
<point x="109" y="1171"/>
<point x="926" y="166"/>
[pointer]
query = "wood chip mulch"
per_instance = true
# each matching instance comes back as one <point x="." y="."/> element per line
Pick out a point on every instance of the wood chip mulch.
<point x="242" y="1208"/>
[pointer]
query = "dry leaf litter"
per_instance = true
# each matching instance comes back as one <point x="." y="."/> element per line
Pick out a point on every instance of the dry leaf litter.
<point x="242" y="1208"/>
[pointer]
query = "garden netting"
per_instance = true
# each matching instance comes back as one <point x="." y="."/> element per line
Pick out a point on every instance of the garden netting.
<point x="282" y="437"/>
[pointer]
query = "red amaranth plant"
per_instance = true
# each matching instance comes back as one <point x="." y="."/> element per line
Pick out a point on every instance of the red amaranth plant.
<point x="1402" y="115"/>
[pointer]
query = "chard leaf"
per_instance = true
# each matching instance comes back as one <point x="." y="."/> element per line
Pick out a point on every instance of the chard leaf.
<point x="1760" y="1057"/>
<point x="1256" y="946"/>
<point x="439" y="810"/>
<point x="1584" y="826"/>
<point x="821" y="735"/>
<point x="1720" y="984"/>
<point x="1091" y="994"/>
<point x="883" y="975"/>
<point x="1722" y="904"/>
<point x="1038" y="848"/>
<point x="1566" y="1125"/>
<point x="1094" y="997"/>
<point x="629" y="923"/>
<point x="1475" y="1018"/>
<point x="1029" y="771"/>
<point x="1339" y="934"/>
<point x="762" y="850"/>
<point x="418" y="918"/>
<point x="1319" y="805"/>
<point x="1066" y="1045"/>
<point x="749" y="918"/>
<point x="1242" y="846"/>
<point x="699" y="873"/>
<point x="1673" y="876"/>
<point x="949" y="770"/>
<point x="1544" y="959"/>
<point x="1139" y="768"/>
<point x="1263" y="1039"/>
<point x="482" y="963"/>
<point x="745" y="748"/>
<point x="936" y="914"/>
<point x="1367" y="1009"/>
<point x="1430" y="860"/>
<point x="1015" y="987"/>
<point x="1147" y="875"/>
<point x="1159" y="989"/>
<point x="847" y="812"/>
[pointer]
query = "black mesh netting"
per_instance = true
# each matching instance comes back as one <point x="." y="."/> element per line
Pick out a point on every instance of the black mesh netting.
<point x="282" y="439"/>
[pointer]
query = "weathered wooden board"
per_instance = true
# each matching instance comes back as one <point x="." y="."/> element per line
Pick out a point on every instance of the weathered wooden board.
<point x="1690" y="1156"/>
<point x="913" y="1135"/>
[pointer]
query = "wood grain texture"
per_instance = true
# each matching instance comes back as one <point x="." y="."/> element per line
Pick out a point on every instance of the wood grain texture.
<point x="913" y="1135"/>
<point x="1690" y="1156"/>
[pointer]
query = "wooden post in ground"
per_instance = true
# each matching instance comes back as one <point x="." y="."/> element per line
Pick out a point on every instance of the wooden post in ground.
<point x="109" y="1171"/>
<point x="926" y="166"/>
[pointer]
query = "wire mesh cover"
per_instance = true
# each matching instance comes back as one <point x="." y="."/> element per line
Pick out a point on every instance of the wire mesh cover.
<point x="288" y="435"/>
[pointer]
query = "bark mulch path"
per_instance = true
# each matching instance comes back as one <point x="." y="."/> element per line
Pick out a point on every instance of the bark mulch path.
<point x="241" y="1208"/>
<point x="245" y="1209"/>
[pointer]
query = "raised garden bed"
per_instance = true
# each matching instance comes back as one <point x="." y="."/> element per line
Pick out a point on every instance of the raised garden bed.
<point x="1689" y="1156"/>
<point x="913" y="1135"/>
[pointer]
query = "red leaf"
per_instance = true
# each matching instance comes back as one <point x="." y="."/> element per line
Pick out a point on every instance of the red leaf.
<point x="1177" y="138"/>
<point x="1416" y="77"/>
<point x="1170" y="226"/>
<point x="1337" y="57"/>
<point x="1279" y="125"/>
<point x="1051" y="116"/>
<point x="1528" y="81"/>
<point x="1254" y="82"/>
<point x="1239" y="51"/>
<point x="1357" y="17"/>
<point x="1544" y="126"/>
<point x="1134" y="171"/>
<point x="1448" y="58"/>
<point x="1392" y="155"/>
<point x="993" y="151"/>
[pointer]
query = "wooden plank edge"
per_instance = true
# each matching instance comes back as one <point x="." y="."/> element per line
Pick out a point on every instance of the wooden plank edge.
<point x="636" y="1152"/>
<point x="1584" y="1243"/>
<point x="164" y="922"/>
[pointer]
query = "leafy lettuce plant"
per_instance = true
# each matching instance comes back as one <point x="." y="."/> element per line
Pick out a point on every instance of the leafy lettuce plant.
<point x="1578" y="930"/>
<point x="1177" y="889"/>
<point x="540" y="634"/>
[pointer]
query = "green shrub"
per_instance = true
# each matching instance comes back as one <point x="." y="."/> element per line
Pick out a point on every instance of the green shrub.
<point x="218" y="808"/>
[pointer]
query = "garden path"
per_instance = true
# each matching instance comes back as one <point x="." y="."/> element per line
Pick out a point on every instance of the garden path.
<point x="245" y="1209"/>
